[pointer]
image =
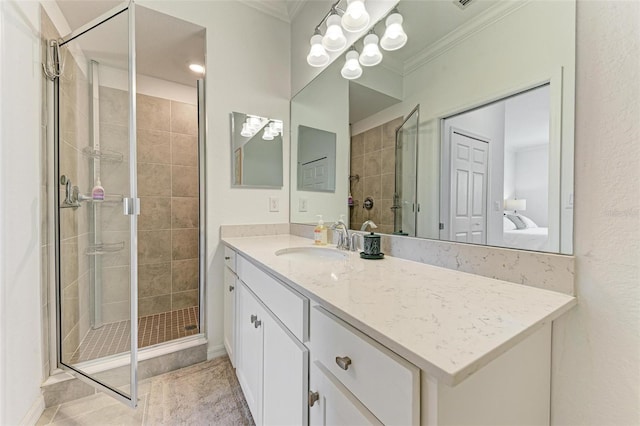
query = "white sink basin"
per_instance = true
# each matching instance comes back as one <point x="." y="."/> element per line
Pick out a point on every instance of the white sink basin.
<point x="313" y="254"/>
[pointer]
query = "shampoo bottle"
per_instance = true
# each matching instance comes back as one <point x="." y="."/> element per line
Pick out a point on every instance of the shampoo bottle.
<point x="97" y="193"/>
<point x="320" y="233"/>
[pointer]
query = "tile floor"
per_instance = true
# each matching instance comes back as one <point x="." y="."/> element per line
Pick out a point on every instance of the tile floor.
<point x="207" y="393"/>
<point x="114" y="338"/>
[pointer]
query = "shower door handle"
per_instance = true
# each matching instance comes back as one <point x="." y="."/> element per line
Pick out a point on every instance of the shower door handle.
<point x="131" y="206"/>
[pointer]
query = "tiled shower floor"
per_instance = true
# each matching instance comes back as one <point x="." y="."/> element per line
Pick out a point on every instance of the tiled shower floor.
<point x="114" y="338"/>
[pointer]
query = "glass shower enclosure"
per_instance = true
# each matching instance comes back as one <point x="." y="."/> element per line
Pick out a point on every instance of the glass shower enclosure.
<point x="97" y="204"/>
<point x="405" y="204"/>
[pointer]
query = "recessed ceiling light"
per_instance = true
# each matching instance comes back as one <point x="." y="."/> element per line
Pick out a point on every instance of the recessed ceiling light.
<point x="197" y="68"/>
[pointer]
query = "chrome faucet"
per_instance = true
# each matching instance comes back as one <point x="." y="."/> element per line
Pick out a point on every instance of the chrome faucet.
<point x="368" y="223"/>
<point x="344" y="241"/>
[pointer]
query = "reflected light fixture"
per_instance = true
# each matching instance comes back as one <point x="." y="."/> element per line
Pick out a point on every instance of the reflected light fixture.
<point x="371" y="54"/>
<point x="334" y="38"/>
<point x="246" y="132"/>
<point x="394" y="36"/>
<point x="356" y="17"/>
<point x="351" y="69"/>
<point x="197" y="68"/>
<point x="267" y="135"/>
<point x="254" y="123"/>
<point x="318" y="56"/>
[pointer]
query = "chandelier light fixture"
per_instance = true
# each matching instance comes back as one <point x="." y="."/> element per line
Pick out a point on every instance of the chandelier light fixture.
<point x="354" y="19"/>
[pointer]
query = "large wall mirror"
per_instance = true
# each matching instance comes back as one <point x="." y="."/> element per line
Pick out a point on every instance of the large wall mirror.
<point x="465" y="134"/>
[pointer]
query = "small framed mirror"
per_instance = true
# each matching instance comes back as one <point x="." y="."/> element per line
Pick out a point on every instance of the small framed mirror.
<point x="256" y="151"/>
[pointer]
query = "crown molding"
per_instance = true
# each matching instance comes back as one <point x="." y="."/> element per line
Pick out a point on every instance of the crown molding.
<point x="294" y="7"/>
<point x="269" y="7"/>
<point x="492" y="15"/>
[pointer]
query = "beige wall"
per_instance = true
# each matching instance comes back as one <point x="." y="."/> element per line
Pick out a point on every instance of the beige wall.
<point x="373" y="158"/>
<point x="596" y="347"/>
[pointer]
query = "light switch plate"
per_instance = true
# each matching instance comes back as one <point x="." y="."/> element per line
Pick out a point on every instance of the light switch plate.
<point x="274" y="204"/>
<point x="303" y="204"/>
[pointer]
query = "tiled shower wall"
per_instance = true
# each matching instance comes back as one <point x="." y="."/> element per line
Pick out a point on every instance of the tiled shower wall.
<point x="168" y="226"/>
<point x="373" y="158"/>
<point x="167" y="160"/>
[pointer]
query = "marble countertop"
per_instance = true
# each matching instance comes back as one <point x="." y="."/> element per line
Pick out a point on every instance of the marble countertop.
<point x="448" y="323"/>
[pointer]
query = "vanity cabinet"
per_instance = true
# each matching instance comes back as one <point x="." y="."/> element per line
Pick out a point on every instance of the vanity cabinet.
<point x="331" y="403"/>
<point x="271" y="363"/>
<point x="230" y="285"/>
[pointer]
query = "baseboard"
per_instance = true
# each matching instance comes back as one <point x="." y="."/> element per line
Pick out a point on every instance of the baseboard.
<point x="216" y="351"/>
<point x="34" y="413"/>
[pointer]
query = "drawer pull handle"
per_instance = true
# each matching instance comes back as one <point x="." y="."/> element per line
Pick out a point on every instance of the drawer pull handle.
<point x="231" y="288"/>
<point x="313" y="397"/>
<point x="257" y="324"/>
<point x="254" y="318"/>
<point x="227" y="258"/>
<point x="343" y="362"/>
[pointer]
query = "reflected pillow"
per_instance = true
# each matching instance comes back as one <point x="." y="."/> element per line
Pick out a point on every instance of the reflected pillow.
<point x="517" y="221"/>
<point x="528" y="222"/>
<point x="507" y="225"/>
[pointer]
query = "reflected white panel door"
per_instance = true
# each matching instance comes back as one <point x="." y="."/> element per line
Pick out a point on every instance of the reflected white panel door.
<point x="469" y="165"/>
<point x="315" y="174"/>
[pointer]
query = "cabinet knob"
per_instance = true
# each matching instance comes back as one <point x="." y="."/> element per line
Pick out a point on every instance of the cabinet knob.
<point x="253" y="318"/>
<point x="227" y="258"/>
<point x="231" y="288"/>
<point x="343" y="362"/>
<point x="313" y="397"/>
<point x="257" y="324"/>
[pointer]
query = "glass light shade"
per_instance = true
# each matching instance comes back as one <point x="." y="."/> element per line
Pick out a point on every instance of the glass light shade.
<point x="334" y="39"/>
<point x="267" y="135"/>
<point x="356" y="17"/>
<point x="246" y="132"/>
<point x="318" y="56"/>
<point x="394" y="36"/>
<point x="351" y="69"/>
<point x="277" y="126"/>
<point x="254" y="123"/>
<point x="371" y="54"/>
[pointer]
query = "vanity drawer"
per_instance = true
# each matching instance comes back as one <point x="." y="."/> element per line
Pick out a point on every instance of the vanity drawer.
<point x="291" y="308"/>
<point x="230" y="258"/>
<point x="388" y="385"/>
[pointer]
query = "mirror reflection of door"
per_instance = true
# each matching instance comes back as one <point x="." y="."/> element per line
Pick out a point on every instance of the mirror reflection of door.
<point x="495" y="181"/>
<point x="469" y="167"/>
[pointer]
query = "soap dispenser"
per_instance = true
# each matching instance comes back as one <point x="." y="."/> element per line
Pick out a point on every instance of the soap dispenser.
<point x="320" y="233"/>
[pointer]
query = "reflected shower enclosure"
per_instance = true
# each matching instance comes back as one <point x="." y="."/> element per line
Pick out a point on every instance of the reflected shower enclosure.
<point x="130" y="191"/>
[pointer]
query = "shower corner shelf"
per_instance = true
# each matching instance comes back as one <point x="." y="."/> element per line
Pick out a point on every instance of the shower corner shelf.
<point x="104" y="248"/>
<point x="104" y="155"/>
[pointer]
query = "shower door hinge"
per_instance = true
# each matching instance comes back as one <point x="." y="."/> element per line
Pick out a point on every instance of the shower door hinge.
<point x="131" y="206"/>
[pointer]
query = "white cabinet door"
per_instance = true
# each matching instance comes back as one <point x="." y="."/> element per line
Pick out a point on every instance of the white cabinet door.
<point x="230" y="314"/>
<point x="249" y="367"/>
<point x="285" y="377"/>
<point x="335" y="404"/>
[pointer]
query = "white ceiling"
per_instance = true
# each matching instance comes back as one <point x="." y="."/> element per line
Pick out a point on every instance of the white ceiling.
<point x="165" y="46"/>
<point x="364" y="102"/>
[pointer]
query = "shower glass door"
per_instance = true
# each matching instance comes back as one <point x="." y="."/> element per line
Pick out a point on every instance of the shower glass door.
<point x="97" y="204"/>
<point x="405" y="205"/>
